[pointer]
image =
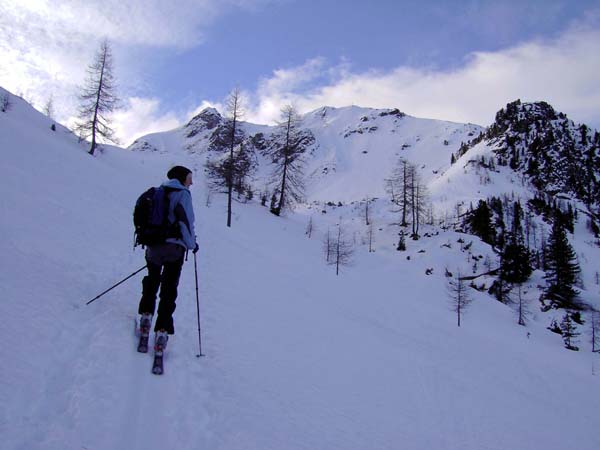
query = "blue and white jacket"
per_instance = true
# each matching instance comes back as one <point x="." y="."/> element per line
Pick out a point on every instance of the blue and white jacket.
<point x="182" y="211"/>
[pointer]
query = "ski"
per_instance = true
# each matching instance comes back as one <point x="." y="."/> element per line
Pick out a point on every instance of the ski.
<point x="157" y="365"/>
<point x="143" y="344"/>
<point x="159" y="347"/>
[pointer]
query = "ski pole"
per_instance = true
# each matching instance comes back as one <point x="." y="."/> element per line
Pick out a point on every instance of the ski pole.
<point x="112" y="287"/>
<point x="198" y="309"/>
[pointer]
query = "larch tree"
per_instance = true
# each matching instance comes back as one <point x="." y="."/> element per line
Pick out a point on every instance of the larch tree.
<point x="417" y="199"/>
<point x="310" y="227"/>
<point x="228" y="171"/>
<point x="397" y="186"/>
<point x="49" y="107"/>
<point x="342" y="250"/>
<point x="328" y="246"/>
<point x="98" y="100"/>
<point x="522" y="307"/>
<point x="286" y="149"/>
<point x="371" y="235"/>
<point x="409" y="194"/>
<point x="595" y="331"/>
<point x="459" y="296"/>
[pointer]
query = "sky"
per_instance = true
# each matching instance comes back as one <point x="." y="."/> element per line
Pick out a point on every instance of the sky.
<point x="452" y="60"/>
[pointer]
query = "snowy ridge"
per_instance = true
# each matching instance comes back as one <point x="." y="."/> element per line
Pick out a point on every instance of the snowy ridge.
<point x="296" y="358"/>
<point x="355" y="148"/>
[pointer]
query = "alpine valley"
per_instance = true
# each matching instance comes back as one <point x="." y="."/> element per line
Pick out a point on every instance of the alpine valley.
<point x="494" y="226"/>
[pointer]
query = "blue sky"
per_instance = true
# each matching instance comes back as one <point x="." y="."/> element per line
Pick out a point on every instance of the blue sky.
<point x="248" y="45"/>
<point x="453" y="60"/>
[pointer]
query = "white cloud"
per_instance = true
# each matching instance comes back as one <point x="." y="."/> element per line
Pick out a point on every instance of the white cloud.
<point x="47" y="44"/>
<point x="142" y="116"/>
<point x="562" y="72"/>
<point x="282" y="88"/>
<point x="178" y="23"/>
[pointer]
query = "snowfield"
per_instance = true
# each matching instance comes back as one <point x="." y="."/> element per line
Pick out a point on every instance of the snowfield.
<point x="295" y="357"/>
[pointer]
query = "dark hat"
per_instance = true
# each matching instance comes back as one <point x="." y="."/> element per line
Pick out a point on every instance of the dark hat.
<point x="178" y="172"/>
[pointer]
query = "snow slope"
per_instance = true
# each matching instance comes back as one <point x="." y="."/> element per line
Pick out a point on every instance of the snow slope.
<point x="355" y="148"/>
<point x="296" y="358"/>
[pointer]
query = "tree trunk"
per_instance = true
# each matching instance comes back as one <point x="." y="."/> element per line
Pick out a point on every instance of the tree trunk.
<point x="95" y="119"/>
<point x="594" y="324"/>
<point x="404" y="194"/>
<point x="413" y="204"/>
<point x="230" y="174"/>
<point x="417" y="210"/>
<point x="281" y="204"/>
<point x="337" y="253"/>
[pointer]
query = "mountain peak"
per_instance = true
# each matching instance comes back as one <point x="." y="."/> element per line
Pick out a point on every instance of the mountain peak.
<point x="548" y="148"/>
<point x="520" y="116"/>
<point x="208" y="119"/>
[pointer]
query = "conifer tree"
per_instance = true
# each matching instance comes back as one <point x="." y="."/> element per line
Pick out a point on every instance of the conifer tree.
<point x="98" y="100"/>
<point x="480" y="222"/>
<point x="562" y="269"/>
<point x="501" y="289"/>
<point x="498" y="209"/>
<point x="516" y="265"/>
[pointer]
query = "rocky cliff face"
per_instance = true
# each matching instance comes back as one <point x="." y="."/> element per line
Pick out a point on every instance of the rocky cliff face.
<point x="555" y="154"/>
<point x="208" y="119"/>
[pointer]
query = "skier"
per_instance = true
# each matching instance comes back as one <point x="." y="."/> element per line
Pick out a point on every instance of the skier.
<point x="165" y="261"/>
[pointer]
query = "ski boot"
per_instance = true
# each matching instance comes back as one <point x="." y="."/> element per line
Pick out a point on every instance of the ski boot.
<point x="160" y="344"/>
<point x="145" y="325"/>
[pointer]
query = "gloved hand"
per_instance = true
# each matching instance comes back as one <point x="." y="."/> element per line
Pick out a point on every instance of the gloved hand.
<point x="196" y="248"/>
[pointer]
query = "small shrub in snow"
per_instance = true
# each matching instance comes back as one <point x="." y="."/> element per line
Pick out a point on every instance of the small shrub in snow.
<point x="554" y="327"/>
<point x="5" y="103"/>
<point x="569" y="332"/>
<point x="401" y="243"/>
